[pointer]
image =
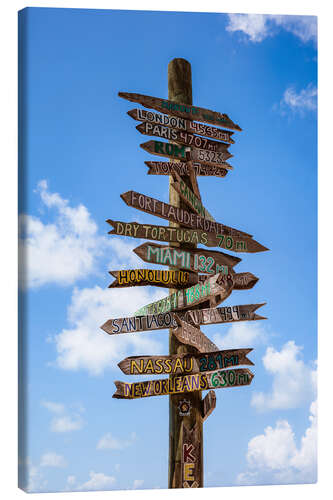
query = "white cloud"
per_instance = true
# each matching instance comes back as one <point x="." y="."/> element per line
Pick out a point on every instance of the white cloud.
<point x="259" y="26"/>
<point x="306" y="457"/>
<point x="54" y="407"/>
<point x="69" y="248"/>
<point x="294" y="382"/>
<point x="97" y="481"/>
<point x="303" y="27"/>
<point x="65" y="421"/>
<point x="123" y="255"/>
<point x="51" y="459"/>
<point x="273" y="457"/>
<point x="85" y="346"/>
<point x="305" y="100"/>
<point x="241" y="335"/>
<point x="253" y="25"/>
<point x="60" y="252"/>
<point x="109" y="442"/>
<point x="31" y="479"/>
<point x="137" y="483"/>
<point x="36" y="482"/>
<point x="273" y="449"/>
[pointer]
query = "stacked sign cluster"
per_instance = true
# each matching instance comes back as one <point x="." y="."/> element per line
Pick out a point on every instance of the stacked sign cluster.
<point x="202" y="278"/>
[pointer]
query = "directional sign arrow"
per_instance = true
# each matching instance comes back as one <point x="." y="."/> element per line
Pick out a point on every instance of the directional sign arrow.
<point x="179" y="235"/>
<point x="182" y="110"/>
<point x="218" y="379"/>
<point x="196" y="259"/>
<point x="216" y="288"/>
<point x="244" y="281"/>
<point x="182" y="235"/>
<point x="190" y="335"/>
<point x="179" y="215"/>
<point x="184" y="153"/>
<point x="218" y="134"/>
<point x="226" y="314"/>
<point x="184" y="168"/>
<point x="180" y="137"/>
<point x="208" y="405"/>
<point x="155" y="277"/>
<point x="161" y="321"/>
<point x="182" y="364"/>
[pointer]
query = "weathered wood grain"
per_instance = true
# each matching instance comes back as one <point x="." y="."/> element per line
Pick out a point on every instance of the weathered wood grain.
<point x="185" y="168"/>
<point x="185" y="153"/>
<point x="181" y="216"/>
<point x="182" y="364"/>
<point x="186" y="138"/>
<point x="218" y="379"/>
<point x="154" y="277"/>
<point x="161" y="321"/>
<point x="191" y="456"/>
<point x="139" y="323"/>
<point x="190" y="198"/>
<point x="244" y="281"/>
<point x="180" y="90"/>
<point x="208" y="404"/>
<point x="143" y="115"/>
<point x="217" y="287"/>
<point x="197" y="259"/>
<point x="186" y="111"/>
<point x="181" y="235"/>
<point x="190" y="335"/>
<point x="225" y="314"/>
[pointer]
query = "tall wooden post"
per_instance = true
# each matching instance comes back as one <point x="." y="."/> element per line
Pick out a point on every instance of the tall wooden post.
<point x="180" y="91"/>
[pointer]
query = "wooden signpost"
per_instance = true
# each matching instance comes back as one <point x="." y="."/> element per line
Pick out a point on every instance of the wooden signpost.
<point x="182" y="235"/>
<point x="161" y="321"/>
<point x="143" y="115"/>
<point x="195" y="141"/>
<point x="185" y="168"/>
<point x="197" y="259"/>
<point x="181" y="364"/>
<point x="156" y="277"/>
<point x="198" y="279"/>
<point x="183" y="153"/>
<point x="179" y="215"/>
<point x="182" y="110"/>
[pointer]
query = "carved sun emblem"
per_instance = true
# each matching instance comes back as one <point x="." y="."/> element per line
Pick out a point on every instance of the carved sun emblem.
<point x="184" y="408"/>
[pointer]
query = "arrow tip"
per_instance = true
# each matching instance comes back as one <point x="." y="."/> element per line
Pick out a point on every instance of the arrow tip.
<point x="104" y="326"/>
<point x="126" y="197"/>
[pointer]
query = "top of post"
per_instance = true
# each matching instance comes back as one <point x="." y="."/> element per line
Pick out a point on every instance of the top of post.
<point x="180" y="81"/>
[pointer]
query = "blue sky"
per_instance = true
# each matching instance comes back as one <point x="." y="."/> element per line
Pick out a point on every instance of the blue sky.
<point x="81" y="151"/>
